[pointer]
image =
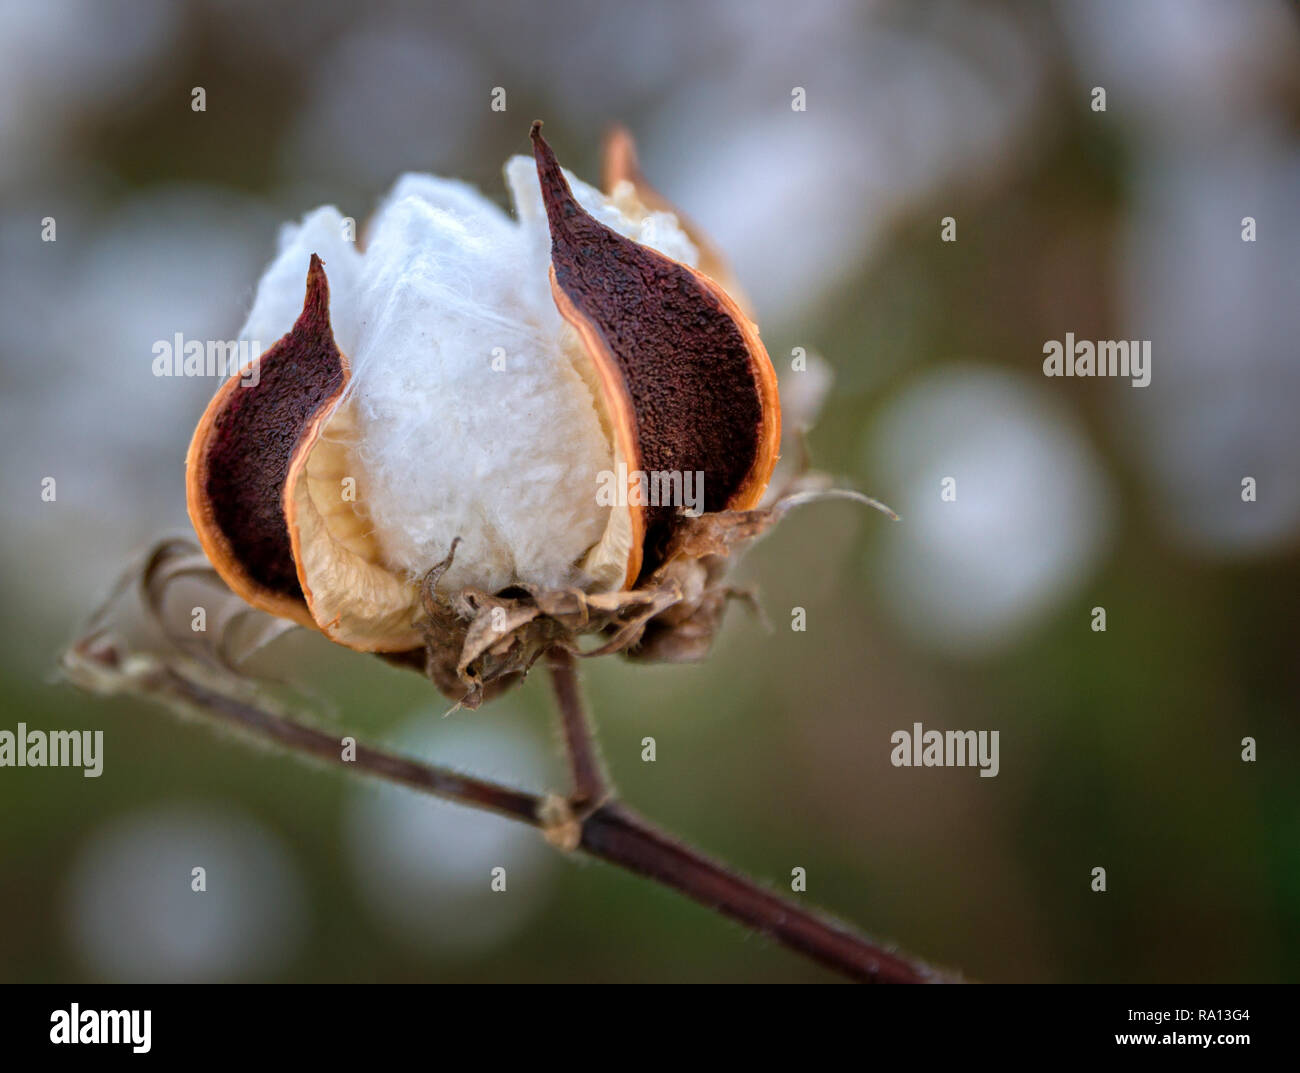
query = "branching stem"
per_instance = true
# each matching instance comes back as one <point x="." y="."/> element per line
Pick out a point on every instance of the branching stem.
<point x="607" y="830"/>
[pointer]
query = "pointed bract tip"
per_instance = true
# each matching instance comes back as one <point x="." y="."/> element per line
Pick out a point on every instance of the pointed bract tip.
<point x="316" y="304"/>
<point x="535" y="131"/>
<point x="556" y="194"/>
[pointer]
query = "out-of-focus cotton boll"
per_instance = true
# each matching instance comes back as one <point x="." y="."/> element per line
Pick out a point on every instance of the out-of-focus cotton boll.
<point x="970" y="575"/>
<point x="134" y="915"/>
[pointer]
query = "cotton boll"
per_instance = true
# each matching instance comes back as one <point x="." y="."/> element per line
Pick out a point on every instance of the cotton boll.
<point x="473" y="410"/>
<point x="506" y="456"/>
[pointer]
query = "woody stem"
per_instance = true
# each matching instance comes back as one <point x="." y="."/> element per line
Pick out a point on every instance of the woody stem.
<point x="590" y="784"/>
<point x="616" y="834"/>
<point x="609" y="831"/>
<point x="181" y="692"/>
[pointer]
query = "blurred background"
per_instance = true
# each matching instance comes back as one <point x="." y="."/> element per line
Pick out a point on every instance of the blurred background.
<point x="1119" y="749"/>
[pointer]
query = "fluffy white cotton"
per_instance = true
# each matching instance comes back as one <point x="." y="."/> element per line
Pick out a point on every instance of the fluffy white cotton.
<point x="504" y="457"/>
<point x="471" y="396"/>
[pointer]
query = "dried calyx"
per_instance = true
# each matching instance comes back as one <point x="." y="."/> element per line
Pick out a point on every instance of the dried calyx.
<point x="658" y="358"/>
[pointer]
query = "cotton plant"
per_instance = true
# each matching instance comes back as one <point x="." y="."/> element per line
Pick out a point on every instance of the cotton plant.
<point x="483" y="440"/>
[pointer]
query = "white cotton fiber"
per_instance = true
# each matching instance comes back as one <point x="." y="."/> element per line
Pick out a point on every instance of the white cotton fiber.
<point x="504" y="458"/>
<point x="474" y="417"/>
